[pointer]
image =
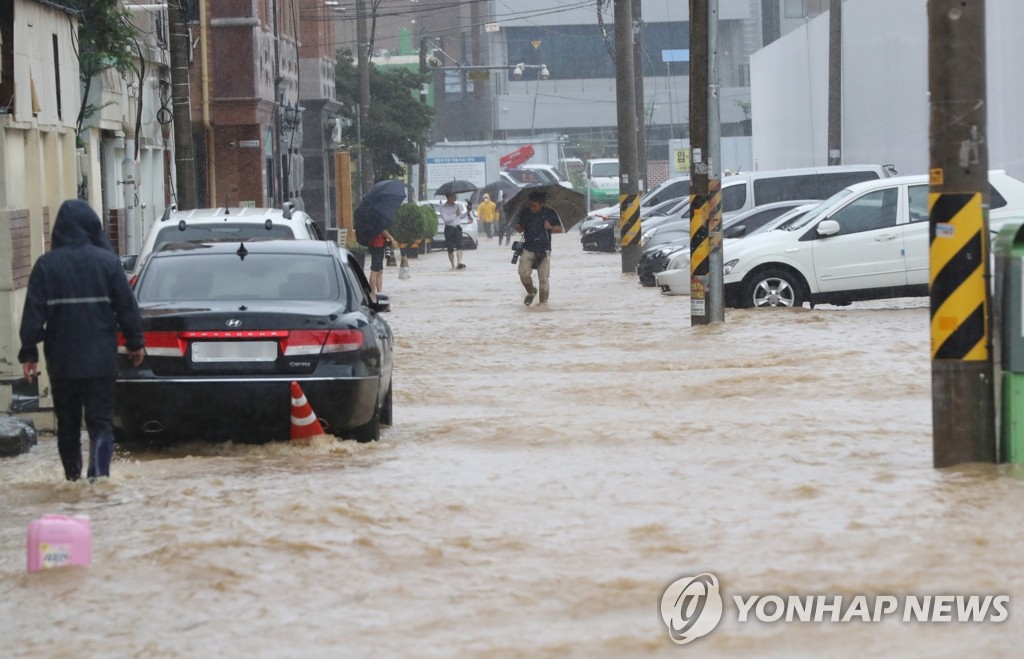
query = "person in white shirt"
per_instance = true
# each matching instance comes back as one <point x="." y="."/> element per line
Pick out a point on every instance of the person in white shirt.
<point x="452" y="214"/>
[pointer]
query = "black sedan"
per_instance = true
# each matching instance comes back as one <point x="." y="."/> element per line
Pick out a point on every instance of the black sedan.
<point x="229" y="327"/>
<point x="655" y="259"/>
<point x="600" y="237"/>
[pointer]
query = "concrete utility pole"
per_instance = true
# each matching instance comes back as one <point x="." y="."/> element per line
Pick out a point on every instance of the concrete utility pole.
<point x="835" y="83"/>
<point x="700" y="243"/>
<point x="713" y="211"/>
<point x="963" y="410"/>
<point x="421" y="189"/>
<point x="625" y="102"/>
<point x="638" y="91"/>
<point x="184" y="150"/>
<point x="366" y="174"/>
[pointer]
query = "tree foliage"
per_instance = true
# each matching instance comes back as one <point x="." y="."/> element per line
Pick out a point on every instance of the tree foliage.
<point x="413" y="222"/>
<point x="397" y="121"/>
<point x="106" y="40"/>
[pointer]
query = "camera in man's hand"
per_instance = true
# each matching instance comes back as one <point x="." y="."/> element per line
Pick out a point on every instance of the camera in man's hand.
<point x="517" y="250"/>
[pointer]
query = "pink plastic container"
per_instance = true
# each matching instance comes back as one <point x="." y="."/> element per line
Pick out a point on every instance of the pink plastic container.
<point x="56" y="540"/>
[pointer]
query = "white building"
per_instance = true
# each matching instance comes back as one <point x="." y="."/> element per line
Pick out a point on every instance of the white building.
<point x="885" y="106"/>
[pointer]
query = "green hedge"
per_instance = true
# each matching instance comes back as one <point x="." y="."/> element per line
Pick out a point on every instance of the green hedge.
<point x="411" y="223"/>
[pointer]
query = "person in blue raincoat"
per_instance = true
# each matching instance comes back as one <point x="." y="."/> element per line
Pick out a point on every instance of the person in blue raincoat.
<point x="77" y="299"/>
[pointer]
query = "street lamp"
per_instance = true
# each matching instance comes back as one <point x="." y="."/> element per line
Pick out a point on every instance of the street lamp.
<point x="517" y="72"/>
<point x="291" y="116"/>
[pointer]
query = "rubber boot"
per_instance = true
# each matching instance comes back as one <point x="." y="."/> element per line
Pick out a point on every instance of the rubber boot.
<point x="72" y="461"/>
<point x="101" y="450"/>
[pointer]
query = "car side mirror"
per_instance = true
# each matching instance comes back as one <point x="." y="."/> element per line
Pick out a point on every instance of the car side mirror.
<point x="828" y="228"/>
<point x="382" y="304"/>
<point x="736" y="232"/>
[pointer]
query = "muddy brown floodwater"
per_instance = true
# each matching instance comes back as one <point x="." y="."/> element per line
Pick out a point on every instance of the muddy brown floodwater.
<point x="550" y="472"/>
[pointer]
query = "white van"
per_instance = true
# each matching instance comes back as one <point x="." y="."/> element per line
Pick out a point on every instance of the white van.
<point x="868" y="241"/>
<point x="744" y="191"/>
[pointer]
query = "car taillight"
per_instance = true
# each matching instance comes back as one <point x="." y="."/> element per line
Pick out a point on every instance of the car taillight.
<point x="292" y="342"/>
<point x="164" y="344"/>
<point x="314" y="342"/>
<point x="158" y="344"/>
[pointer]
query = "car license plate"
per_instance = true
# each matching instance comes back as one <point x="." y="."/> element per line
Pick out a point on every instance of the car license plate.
<point x="234" y="351"/>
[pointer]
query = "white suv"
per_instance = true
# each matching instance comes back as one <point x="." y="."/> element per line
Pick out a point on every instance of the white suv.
<point x="868" y="241"/>
<point x="227" y="223"/>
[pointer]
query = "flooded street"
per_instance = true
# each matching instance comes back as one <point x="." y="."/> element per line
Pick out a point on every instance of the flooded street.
<point x="550" y="471"/>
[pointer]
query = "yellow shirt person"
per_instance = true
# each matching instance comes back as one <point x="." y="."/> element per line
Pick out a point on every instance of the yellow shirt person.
<point x="487" y="211"/>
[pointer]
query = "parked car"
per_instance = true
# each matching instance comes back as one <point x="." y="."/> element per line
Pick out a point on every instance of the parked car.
<point x="655" y="259"/>
<point x="530" y="176"/>
<point x="675" y="278"/>
<point x="470" y="230"/>
<point x="230" y="326"/>
<point x="868" y="241"/>
<point x="554" y="173"/>
<point x="601" y="177"/>
<point x="241" y="223"/>
<point x="128" y="262"/>
<point x="749" y="189"/>
<point x="600" y="236"/>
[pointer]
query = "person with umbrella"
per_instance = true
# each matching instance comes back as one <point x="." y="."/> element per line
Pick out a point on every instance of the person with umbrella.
<point x="376" y="250"/>
<point x="536" y="222"/>
<point x="452" y="214"/>
<point x="373" y="216"/>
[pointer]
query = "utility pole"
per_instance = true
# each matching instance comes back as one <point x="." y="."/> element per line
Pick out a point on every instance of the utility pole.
<point x="700" y="243"/>
<point x="963" y="409"/>
<point x="184" y="150"/>
<point x="835" y="83"/>
<point x="366" y="173"/>
<point x="625" y="103"/>
<point x="638" y="90"/>
<point x="421" y="190"/>
<point x="713" y="211"/>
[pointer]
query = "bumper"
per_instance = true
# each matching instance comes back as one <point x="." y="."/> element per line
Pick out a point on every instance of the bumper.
<point x="241" y="409"/>
<point x="647" y="270"/>
<point x="600" y="241"/>
<point x="674" y="282"/>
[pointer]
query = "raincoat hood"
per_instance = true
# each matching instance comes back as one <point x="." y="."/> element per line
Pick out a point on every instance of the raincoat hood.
<point x="77" y="224"/>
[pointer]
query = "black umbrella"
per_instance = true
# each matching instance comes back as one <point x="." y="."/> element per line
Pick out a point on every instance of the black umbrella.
<point x="570" y="205"/>
<point x="377" y="209"/>
<point x="455" y="186"/>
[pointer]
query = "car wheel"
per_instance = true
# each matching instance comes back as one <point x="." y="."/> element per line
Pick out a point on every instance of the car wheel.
<point x="774" y="287"/>
<point x="369" y="432"/>
<point x="387" y="409"/>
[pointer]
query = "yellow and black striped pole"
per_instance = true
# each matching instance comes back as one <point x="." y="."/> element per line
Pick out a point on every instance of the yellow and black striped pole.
<point x="629" y="230"/>
<point x="963" y="401"/>
<point x="700" y="253"/>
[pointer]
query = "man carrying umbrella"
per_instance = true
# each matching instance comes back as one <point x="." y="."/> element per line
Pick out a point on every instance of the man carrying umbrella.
<point x="452" y="213"/>
<point x="536" y="222"/>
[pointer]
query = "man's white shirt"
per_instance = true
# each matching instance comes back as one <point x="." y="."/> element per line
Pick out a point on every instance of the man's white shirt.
<point x="452" y="214"/>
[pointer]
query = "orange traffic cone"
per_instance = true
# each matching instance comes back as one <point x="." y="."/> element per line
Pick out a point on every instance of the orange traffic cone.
<point x="304" y="422"/>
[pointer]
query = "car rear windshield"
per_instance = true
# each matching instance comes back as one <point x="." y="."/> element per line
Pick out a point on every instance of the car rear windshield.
<point x="605" y="169"/>
<point x="209" y="277"/>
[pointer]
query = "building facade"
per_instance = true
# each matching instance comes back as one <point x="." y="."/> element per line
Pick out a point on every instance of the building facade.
<point x="39" y="100"/>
